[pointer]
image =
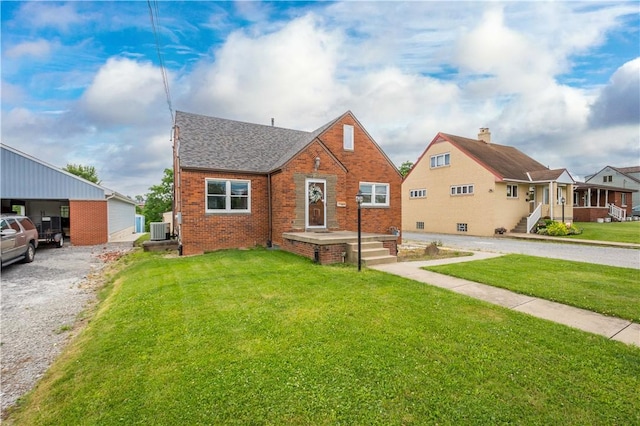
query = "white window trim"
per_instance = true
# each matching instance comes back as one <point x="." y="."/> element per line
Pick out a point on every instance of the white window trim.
<point x="510" y="188"/>
<point x="227" y="195"/>
<point x="446" y="160"/>
<point x="373" y="194"/>
<point x="418" y="193"/>
<point x="461" y="190"/>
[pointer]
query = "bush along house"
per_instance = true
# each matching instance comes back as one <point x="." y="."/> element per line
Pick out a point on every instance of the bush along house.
<point x="240" y="185"/>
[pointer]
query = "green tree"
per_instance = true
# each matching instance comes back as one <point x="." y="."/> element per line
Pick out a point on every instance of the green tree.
<point x="159" y="200"/>
<point x="86" y="172"/>
<point x="405" y="168"/>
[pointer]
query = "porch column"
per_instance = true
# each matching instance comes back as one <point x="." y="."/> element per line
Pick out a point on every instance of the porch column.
<point x="552" y="199"/>
<point x="598" y="197"/>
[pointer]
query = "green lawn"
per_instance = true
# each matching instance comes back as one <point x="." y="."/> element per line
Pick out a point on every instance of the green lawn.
<point x="266" y="337"/>
<point x="605" y="289"/>
<point x="623" y="232"/>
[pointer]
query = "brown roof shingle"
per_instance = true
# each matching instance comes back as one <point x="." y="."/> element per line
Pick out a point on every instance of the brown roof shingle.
<point x="505" y="161"/>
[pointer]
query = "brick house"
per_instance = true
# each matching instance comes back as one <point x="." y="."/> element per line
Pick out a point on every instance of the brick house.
<point x="241" y="185"/>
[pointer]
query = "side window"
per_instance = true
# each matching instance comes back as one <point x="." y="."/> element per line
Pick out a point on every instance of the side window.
<point x="27" y="224"/>
<point x="3" y="225"/>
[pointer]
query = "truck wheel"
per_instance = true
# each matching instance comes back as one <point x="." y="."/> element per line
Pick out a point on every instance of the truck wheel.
<point x="30" y="254"/>
<point x="60" y="243"/>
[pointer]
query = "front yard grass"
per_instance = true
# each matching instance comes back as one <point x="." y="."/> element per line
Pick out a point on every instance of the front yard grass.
<point x="266" y="337"/>
<point x="605" y="289"/>
<point x="622" y="232"/>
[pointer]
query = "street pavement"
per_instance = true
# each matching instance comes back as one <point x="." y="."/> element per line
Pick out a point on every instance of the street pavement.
<point x="624" y="257"/>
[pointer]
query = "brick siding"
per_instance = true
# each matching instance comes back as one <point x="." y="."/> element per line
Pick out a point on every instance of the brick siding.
<point x="201" y="232"/>
<point x="88" y="222"/>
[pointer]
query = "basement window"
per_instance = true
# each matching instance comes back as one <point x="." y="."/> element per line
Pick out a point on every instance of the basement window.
<point x="419" y="225"/>
<point x="461" y="227"/>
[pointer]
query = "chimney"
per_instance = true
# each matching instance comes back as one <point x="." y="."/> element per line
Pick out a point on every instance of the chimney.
<point x="484" y="135"/>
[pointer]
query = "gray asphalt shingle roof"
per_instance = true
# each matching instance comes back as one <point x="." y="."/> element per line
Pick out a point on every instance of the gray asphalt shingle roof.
<point x="221" y="144"/>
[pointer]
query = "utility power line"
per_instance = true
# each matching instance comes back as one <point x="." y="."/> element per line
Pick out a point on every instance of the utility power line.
<point x="153" y="16"/>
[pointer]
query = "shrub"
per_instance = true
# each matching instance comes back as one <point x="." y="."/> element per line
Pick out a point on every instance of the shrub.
<point x="557" y="229"/>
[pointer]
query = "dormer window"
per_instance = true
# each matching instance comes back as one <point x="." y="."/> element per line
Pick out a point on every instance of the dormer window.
<point x="440" y="160"/>
<point x="347" y="137"/>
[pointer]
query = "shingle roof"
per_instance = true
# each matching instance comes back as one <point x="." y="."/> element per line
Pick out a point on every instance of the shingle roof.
<point x="221" y="144"/>
<point x="507" y="161"/>
<point x="633" y="169"/>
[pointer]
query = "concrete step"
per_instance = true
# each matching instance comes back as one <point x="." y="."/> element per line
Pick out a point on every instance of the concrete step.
<point x="365" y="245"/>
<point x="378" y="260"/>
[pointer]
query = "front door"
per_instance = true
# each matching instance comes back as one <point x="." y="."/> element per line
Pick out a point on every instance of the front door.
<point x="316" y="212"/>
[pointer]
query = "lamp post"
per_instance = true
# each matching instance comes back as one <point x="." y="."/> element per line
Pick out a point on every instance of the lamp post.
<point x="359" y="199"/>
<point x="562" y="200"/>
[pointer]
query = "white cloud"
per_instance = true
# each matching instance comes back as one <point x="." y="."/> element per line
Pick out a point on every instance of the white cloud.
<point x="124" y="92"/>
<point x="288" y="74"/>
<point x="39" y="49"/>
<point x="619" y="101"/>
<point x="50" y="15"/>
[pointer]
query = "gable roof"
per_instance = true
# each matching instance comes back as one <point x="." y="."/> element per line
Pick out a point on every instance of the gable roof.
<point x="504" y="161"/>
<point x="220" y="144"/>
<point x="622" y="170"/>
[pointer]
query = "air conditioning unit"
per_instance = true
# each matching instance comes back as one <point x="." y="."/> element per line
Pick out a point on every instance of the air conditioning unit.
<point x="159" y="231"/>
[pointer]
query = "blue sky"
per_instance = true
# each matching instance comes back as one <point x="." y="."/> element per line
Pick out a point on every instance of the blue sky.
<point x="81" y="81"/>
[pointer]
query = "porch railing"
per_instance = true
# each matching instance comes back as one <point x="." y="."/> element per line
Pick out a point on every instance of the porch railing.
<point x="617" y="213"/>
<point x="534" y="218"/>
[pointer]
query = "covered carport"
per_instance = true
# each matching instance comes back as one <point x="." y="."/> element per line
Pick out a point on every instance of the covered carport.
<point x="86" y="213"/>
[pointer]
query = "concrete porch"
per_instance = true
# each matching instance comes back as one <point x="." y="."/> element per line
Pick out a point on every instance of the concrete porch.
<point x="326" y="247"/>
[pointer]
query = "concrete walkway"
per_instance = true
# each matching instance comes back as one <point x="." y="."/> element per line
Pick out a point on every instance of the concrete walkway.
<point x="610" y="327"/>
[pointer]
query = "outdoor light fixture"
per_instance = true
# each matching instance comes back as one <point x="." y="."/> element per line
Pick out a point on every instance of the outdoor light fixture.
<point x="359" y="199"/>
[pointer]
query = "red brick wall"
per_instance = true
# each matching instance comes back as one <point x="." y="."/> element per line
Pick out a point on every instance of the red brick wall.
<point x="202" y="231"/>
<point x="328" y="254"/>
<point x="366" y="163"/>
<point x="89" y="223"/>
<point x="287" y="215"/>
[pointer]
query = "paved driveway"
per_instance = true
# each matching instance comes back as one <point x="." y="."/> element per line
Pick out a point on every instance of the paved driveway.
<point x="613" y="256"/>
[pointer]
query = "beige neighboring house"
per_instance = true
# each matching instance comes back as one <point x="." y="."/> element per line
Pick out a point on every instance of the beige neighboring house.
<point x="472" y="186"/>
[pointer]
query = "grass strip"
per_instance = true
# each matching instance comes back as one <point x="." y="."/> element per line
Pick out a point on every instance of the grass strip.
<point x="608" y="290"/>
<point x="622" y="232"/>
<point x="265" y="337"/>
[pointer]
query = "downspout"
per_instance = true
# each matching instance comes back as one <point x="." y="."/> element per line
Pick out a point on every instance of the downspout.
<point x="270" y="240"/>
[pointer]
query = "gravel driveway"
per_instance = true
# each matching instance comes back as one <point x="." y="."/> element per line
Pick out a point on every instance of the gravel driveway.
<point x="39" y="306"/>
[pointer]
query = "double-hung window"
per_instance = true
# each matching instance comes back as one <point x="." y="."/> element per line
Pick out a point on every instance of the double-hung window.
<point x="228" y="196"/>
<point x="375" y="194"/>
<point x="440" y="160"/>
<point x="512" y="191"/>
